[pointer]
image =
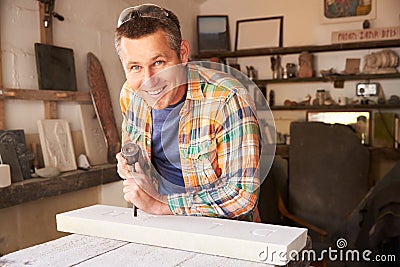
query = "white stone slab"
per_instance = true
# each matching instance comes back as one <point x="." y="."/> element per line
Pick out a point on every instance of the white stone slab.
<point x="229" y="238"/>
<point x="93" y="136"/>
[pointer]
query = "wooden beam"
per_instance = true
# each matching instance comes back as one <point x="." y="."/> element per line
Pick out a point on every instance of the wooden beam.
<point x="46" y="95"/>
<point x="46" y="33"/>
<point x="46" y="37"/>
<point x="2" y="125"/>
<point x="1" y="69"/>
<point x="50" y="110"/>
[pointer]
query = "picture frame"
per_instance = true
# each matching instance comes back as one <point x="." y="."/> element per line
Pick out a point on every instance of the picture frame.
<point x="55" y="67"/>
<point x="213" y="33"/>
<point x="248" y="33"/>
<point x="342" y="11"/>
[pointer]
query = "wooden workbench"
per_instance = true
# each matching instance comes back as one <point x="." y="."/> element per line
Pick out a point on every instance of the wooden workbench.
<point x="80" y="250"/>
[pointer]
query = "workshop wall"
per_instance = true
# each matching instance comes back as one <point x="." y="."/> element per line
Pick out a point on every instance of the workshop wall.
<point x="88" y="27"/>
<point x="303" y="25"/>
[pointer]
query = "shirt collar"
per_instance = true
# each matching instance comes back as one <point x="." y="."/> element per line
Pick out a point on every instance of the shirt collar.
<point x="195" y="81"/>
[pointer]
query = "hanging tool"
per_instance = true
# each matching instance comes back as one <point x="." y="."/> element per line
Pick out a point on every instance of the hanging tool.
<point x="49" y="12"/>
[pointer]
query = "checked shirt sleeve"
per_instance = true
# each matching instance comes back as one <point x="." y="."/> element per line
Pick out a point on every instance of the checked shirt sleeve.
<point x="234" y="194"/>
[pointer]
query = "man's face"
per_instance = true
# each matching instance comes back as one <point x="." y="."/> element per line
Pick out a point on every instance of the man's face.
<point x="147" y="56"/>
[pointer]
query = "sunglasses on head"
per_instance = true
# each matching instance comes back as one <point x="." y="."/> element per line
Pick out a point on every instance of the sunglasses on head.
<point x="144" y="11"/>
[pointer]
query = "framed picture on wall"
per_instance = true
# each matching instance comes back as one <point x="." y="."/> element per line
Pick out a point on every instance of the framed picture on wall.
<point x="213" y="33"/>
<point x="339" y="11"/>
<point x="259" y="33"/>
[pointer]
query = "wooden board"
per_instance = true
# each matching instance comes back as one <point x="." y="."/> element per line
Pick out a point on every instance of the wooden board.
<point x="228" y="238"/>
<point x="102" y="103"/>
<point x="55" y="67"/>
<point x="93" y="136"/>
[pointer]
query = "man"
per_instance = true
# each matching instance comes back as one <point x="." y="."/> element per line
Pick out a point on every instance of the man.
<point x="196" y="125"/>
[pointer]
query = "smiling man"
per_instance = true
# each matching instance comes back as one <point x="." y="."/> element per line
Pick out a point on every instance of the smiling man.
<point x="195" y="125"/>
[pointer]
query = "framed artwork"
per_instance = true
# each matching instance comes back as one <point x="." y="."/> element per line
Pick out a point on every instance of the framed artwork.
<point x="55" y="67"/>
<point x="213" y="33"/>
<point x="339" y="11"/>
<point x="56" y="143"/>
<point x="259" y="33"/>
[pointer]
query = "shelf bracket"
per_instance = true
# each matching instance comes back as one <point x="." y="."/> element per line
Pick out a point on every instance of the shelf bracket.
<point x="338" y="84"/>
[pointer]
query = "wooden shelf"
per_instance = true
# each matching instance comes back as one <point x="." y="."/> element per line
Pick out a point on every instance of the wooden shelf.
<point x="45" y="95"/>
<point x="299" y="49"/>
<point x="37" y="188"/>
<point x="50" y="98"/>
<point x="336" y="107"/>
<point x="332" y="78"/>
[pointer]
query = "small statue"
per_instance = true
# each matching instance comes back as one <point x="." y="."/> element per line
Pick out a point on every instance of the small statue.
<point x="306" y="65"/>
<point x="307" y="101"/>
<point x="384" y="61"/>
<point x="251" y="73"/>
<point x="276" y="67"/>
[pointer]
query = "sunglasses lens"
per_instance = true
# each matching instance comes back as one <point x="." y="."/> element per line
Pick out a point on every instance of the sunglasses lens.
<point x="125" y="15"/>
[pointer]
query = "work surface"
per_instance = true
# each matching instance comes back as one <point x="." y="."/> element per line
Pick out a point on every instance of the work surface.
<point x="80" y="250"/>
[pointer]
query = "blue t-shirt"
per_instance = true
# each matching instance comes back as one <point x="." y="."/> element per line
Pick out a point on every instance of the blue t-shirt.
<point x="165" y="149"/>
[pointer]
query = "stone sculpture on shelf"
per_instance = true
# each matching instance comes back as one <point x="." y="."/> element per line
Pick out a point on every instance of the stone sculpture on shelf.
<point x="276" y="67"/>
<point x="306" y="65"/>
<point x="13" y="141"/>
<point x="384" y="61"/>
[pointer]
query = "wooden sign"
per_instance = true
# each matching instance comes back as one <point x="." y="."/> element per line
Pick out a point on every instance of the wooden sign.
<point x="378" y="34"/>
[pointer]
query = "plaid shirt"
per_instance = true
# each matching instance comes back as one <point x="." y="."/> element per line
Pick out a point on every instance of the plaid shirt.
<point x="219" y="145"/>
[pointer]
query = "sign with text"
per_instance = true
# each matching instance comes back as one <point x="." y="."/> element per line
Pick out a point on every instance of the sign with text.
<point x="378" y="34"/>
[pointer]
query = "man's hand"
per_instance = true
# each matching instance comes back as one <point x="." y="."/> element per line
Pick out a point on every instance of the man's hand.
<point x="139" y="190"/>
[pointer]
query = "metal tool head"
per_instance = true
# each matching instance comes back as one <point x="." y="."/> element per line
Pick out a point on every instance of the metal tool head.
<point x="131" y="152"/>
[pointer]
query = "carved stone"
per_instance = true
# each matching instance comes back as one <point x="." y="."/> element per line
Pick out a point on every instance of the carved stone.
<point x="56" y="143"/>
<point x="306" y="65"/>
<point x="385" y="61"/>
<point x="17" y="139"/>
